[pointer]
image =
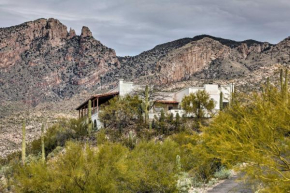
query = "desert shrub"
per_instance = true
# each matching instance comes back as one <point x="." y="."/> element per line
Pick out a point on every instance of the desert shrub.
<point x="57" y="135"/>
<point x="222" y="173"/>
<point x="79" y="126"/>
<point x="55" y="152"/>
<point x="255" y="132"/>
<point x="196" y="157"/>
<point x="153" y="167"/>
<point x="149" y="167"/>
<point x="101" y="136"/>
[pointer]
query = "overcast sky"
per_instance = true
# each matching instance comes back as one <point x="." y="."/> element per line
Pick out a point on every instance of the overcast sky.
<point x="133" y="26"/>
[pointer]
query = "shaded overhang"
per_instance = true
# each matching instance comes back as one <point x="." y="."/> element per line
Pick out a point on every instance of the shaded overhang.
<point x="166" y="102"/>
<point x="102" y="98"/>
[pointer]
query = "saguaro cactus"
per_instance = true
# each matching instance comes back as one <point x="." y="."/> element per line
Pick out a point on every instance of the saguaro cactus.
<point x="132" y="140"/>
<point x="177" y="122"/>
<point x="23" y="153"/>
<point x="284" y="85"/>
<point x="145" y="104"/>
<point x="281" y="81"/>
<point x="90" y="117"/>
<point x="221" y="101"/>
<point x="178" y="163"/>
<point x="42" y="144"/>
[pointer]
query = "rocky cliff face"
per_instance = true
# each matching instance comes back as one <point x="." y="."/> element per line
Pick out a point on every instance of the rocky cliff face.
<point x="42" y="61"/>
<point x="205" y="59"/>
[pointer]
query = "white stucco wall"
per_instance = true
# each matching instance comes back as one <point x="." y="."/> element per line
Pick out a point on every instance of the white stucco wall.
<point x="95" y="117"/>
<point x="180" y="94"/>
<point x="214" y="90"/>
<point x="125" y="87"/>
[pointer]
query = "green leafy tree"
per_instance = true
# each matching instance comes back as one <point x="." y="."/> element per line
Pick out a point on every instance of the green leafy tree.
<point x="121" y="113"/>
<point x="199" y="104"/>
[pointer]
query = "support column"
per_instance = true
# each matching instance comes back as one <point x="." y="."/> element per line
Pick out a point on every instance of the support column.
<point x="94" y="105"/>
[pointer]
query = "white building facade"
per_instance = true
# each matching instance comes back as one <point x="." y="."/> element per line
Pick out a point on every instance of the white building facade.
<point x="170" y="103"/>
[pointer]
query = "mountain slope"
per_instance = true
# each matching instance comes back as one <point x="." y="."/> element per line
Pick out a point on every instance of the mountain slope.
<point x="44" y="65"/>
<point x="41" y="60"/>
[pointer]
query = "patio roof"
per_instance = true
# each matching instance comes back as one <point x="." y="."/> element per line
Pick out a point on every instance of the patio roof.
<point x="100" y="96"/>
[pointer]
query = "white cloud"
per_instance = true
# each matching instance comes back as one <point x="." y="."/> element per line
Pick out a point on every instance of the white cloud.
<point x="133" y="26"/>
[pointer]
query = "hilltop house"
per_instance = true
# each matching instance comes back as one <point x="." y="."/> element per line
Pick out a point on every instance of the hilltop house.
<point x="169" y="102"/>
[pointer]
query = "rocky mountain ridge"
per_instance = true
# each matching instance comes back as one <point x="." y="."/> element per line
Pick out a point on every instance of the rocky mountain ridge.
<point x="47" y="66"/>
<point x="42" y="61"/>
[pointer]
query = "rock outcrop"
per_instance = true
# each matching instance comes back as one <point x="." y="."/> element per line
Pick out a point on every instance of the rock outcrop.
<point x="42" y="61"/>
<point x="203" y="58"/>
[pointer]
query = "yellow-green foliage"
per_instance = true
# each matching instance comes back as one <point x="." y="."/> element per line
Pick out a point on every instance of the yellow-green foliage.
<point x="111" y="167"/>
<point x="198" y="103"/>
<point x="58" y="134"/>
<point x="255" y="134"/>
<point x="121" y="113"/>
<point x="196" y="157"/>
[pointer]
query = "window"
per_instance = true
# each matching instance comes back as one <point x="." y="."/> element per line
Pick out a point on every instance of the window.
<point x="95" y="124"/>
<point x="225" y="104"/>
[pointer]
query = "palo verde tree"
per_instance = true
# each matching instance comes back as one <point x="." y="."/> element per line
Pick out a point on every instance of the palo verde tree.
<point x="199" y="104"/>
<point x="255" y="132"/>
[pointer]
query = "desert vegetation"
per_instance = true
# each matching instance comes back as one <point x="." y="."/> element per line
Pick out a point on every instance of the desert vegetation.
<point x="134" y="154"/>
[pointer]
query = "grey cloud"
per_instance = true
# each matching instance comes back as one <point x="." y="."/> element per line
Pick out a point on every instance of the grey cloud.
<point x="133" y="26"/>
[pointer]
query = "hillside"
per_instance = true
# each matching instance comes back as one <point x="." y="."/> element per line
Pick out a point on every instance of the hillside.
<point x="51" y="70"/>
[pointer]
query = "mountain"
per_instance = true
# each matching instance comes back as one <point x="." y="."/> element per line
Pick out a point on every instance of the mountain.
<point x="47" y="66"/>
<point x="203" y="57"/>
<point x="42" y="61"/>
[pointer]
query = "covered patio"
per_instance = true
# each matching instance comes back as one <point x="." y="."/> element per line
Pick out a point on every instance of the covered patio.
<point x="97" y="101"/>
